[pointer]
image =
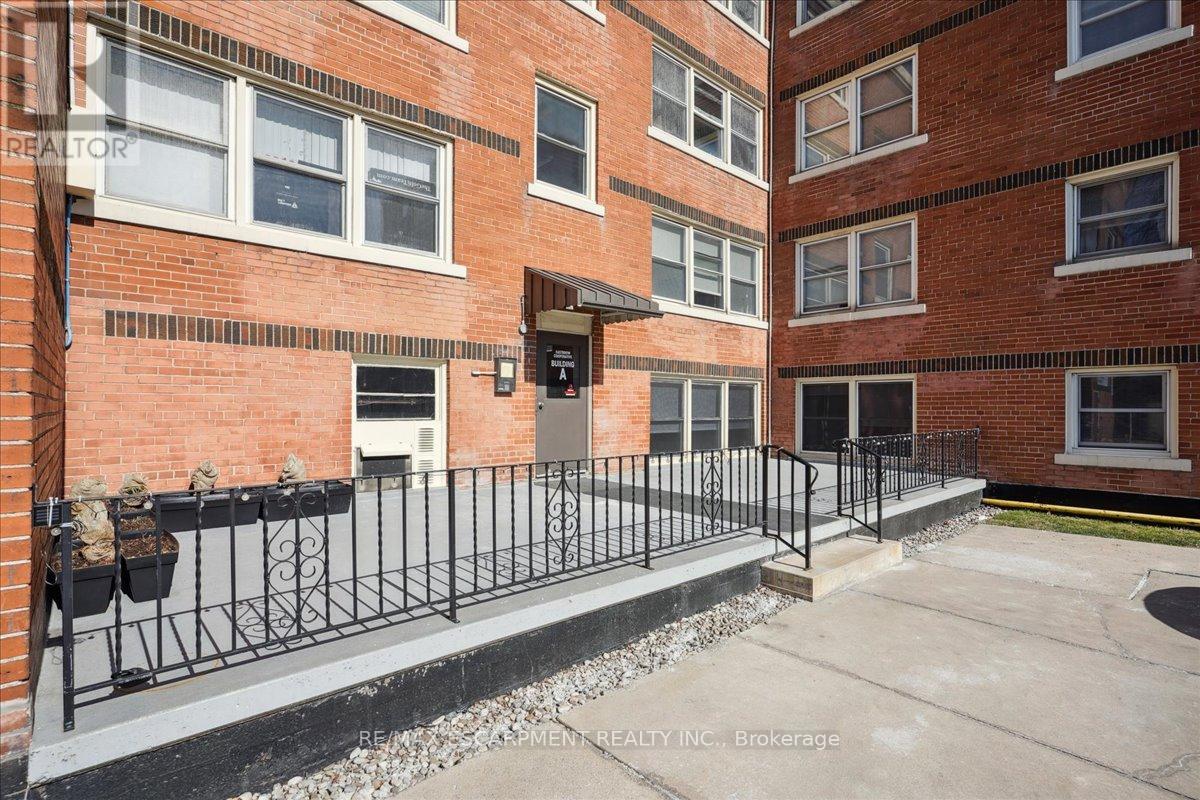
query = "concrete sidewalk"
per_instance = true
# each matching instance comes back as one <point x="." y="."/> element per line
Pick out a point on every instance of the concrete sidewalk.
<point x="1005" y="663"/>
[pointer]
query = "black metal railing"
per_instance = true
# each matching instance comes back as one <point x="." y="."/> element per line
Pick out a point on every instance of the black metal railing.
<point x="198" y="581"/>
<point x="871" y="468"/>
<point x="784" y="500"/>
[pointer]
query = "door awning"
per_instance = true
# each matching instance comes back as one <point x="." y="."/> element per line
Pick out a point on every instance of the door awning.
<point x="556" y="291"/>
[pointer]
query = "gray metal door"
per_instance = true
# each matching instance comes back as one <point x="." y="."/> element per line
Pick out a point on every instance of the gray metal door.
<point x="564" y="394"/>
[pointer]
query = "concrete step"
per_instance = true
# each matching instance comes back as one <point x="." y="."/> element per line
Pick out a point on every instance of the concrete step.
<point x="835" y="565"/>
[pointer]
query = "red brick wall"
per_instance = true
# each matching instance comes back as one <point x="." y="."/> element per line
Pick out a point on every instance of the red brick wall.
<point x="161" y="406"/>
<point x="32" y="86"/>
<point x="991" y="107"/>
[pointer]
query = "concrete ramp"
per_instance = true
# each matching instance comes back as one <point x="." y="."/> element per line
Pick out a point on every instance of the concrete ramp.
<point x="834" y="566"/>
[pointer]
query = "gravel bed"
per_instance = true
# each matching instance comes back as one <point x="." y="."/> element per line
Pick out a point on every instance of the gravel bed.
<point x="935" y="534"/>
<point x="407" y="757"/>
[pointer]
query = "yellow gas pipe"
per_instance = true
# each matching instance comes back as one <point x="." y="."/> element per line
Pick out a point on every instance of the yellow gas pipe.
<point x="1131" y="516"/>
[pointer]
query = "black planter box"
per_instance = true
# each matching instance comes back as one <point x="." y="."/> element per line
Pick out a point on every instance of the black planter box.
<point x="92" y="589"/>
<point x="280" y="503"/>
<point x="137" y="573"/>
<point x="178" y="512"/>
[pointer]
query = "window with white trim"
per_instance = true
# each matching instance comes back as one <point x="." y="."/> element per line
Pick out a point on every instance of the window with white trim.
<point x="750" y="12"/>
<point x="299" y="166"/>
<point x="700" y="269"/>
<point x="437" y="19"/>
<point x="564" y="152"/>
<point x="1129" y="212"/>
<point x="868" y="112"/>
<point x="403" y="192"/>
<point x="701" y="113"/>
<point x="699" y="414"/>
<point x="395" y="393"/>
<point x="1125" y="411"/>
<point x="436" y="10"/>
<point x="167" y="129"/>
<point x="876" y="262"/>
<point x="808" y="10"/>
<point x="170" y="127"/>
<point x="1095" y="26"/>
<point x="827" y="411"/>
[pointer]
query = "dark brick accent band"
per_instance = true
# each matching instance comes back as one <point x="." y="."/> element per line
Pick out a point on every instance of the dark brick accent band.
<point x="676" y="367"/>
<point x="1048" y="172"/>
<point x="684" y="210"/>
<point x="1052" y="359"/>
<point x="217" y="45"/>
<point x="923" y="35"/>
<point x="176" y="327"/>
<point x="689" y="50"/>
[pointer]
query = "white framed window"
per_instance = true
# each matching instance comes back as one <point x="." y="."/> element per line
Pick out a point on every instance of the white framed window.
<point x="564" y="168"/>
<point x="707" y="119"/>
<point x="1123" y="216"/>
<point x="395" y="392"/>
<point x="589" y="8"/>
<point x="749" y="15"/>
<point x="397" y="414"/>
<point x="814" y="12"/>
<point x="869" y="112"/>
<point x="298" y="166"/>
<point x="435" y="18"/>
<point x="1122" y="411"/>
<point x="702" y="414"/>
<point x="222" y="155"/>
<point x="809" y="10"/>
<point x="166" y="126"/>
<point x="402" y="192"/>
<point x="829" y="409"/>
<point x="1101" y="32"/>
<point x="863" y="268"/>
<point x="692" y="267"/>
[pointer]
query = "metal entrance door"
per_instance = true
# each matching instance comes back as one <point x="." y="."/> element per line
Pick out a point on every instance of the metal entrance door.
<point x="564" y="396"/>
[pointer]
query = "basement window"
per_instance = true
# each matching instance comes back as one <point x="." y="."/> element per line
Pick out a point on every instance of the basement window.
<point x="1123" y="411"/>
<point x="688" y="414"/>
<point x="827" y="411"/>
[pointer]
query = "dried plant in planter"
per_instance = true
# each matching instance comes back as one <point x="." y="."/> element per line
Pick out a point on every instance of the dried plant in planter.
<point x="204" y="477"/>
<point x="89" y="517"/>
<point x="136" y="504"/>
<point x="293" y="470"/>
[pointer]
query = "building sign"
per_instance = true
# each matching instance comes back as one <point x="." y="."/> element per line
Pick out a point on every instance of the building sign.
<point x="560" y="373"/>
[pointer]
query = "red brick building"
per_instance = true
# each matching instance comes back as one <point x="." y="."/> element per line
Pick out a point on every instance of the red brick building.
<point x="446" y="150"/>
<point x="984" y="214"/>
<point x="32" y="234"/>
<point x="318" y="226"/>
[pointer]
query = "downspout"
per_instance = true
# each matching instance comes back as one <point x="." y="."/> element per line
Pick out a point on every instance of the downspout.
<point x="68" y="333"/>
<point x="770" y="271"/>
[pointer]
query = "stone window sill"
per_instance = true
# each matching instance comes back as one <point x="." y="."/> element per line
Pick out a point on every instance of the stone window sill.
<point x="829" y="318"/>
<point x="563" y="197"/>
<point x="1163" y="463"/>
<point x="1124" y="51"/>
<point x="1123" y="262"/>
<point x="858" y="158"/>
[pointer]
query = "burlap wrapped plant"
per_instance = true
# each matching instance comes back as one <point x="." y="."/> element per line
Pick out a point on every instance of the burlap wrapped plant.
<point x="91" y="521"/>
<point x="293" y="470"/>
<point x="136" y="490"/>
<point x="204" y="477"/>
